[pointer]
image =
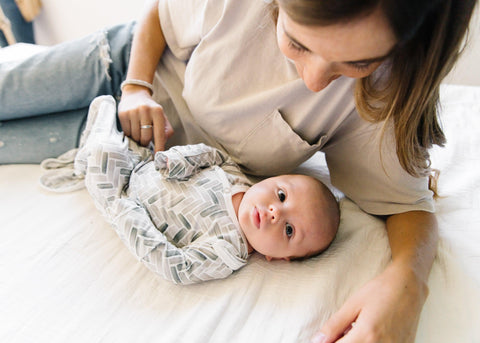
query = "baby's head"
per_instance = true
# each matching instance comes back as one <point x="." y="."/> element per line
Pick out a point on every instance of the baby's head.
<point x="289" y="216"/>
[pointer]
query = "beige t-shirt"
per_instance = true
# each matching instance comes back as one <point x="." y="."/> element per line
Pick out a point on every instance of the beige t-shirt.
<point x="223" y="81"/>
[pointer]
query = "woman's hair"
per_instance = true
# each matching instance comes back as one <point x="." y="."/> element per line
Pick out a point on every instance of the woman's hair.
<point x="430" y="37"/>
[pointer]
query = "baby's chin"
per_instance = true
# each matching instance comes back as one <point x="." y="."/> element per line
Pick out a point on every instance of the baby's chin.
<point x="269" y="258"/>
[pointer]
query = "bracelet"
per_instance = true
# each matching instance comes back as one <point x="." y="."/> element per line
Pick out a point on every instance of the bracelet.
<point x="137" y="83"/>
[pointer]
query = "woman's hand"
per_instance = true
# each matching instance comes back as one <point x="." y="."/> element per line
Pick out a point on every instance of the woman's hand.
<point x="142" y="118"/>
<point x="386" y="309"/>
<point x="137" y="109"/>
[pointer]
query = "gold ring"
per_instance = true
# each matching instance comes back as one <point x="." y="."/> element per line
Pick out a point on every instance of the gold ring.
<point x="146" y="126"/>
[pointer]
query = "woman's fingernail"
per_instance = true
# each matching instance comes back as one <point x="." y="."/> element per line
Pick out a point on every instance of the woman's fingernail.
<point x="318" y="338"/>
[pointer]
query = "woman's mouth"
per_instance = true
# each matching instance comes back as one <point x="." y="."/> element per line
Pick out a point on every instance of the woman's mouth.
<point x="256" y="217"/>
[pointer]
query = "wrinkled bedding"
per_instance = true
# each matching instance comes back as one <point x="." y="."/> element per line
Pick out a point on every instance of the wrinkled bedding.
<point x="66" y="277"/>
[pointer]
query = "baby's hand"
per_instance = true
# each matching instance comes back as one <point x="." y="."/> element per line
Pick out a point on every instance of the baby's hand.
<point x="160" y="161"/>
<point x="182" y="161"/>
<point x="171" y="165"/>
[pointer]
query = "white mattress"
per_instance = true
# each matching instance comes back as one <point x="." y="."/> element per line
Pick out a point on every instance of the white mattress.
<point x="66" y="277"/>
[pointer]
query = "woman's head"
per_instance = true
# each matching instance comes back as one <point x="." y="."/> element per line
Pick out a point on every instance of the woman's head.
<point x="322" y="53"/>
<point x="404" y="17"/>
<point x="421" y="39"/>
<point x="383" y="25"/>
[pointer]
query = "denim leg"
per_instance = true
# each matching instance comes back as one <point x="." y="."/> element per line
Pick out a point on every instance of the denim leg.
<point x="44" y="98"/>
<point x="33" y="139"/>
<point x="67" y="76"/>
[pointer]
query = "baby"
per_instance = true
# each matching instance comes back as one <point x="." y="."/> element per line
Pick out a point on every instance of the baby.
<point x="190" y="214"/>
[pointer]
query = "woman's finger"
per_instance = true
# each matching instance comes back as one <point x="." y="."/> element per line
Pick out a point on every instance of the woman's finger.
<point x="146" y="134"/>
<point x="125" y="123"/>
<point x="135" y="127"/>
<point x="339" y="324"/>
<point x="169" y="131"/>
<point x="125" y="118"/>
<point x="159" y="136"/>
<point x="146" y="125"/>
<point x="164" y="135"/>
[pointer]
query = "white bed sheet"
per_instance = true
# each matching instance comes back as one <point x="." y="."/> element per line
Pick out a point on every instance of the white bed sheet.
<point x="66" y="277"/>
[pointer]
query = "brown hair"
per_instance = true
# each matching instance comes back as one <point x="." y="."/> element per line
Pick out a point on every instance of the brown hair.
<point x="331" y="210"/>
<point x="430" y="35"/>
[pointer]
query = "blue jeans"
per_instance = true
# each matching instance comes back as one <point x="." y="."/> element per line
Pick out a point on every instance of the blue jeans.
<point x="44" y="98"/>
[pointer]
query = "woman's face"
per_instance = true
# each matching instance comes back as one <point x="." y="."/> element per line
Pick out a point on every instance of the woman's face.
<point x="323" y="53"/>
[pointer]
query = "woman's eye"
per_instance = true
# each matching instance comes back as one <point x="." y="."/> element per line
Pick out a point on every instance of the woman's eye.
<point x="281" y="195"/>
<point x="294" y="46"/>
<point x="289" y="230"/>
<point x="360" y="66"/>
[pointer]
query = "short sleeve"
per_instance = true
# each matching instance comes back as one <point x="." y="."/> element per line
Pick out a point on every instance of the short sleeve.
<point x="185" y="22"/>
<point x="364" y="165"/>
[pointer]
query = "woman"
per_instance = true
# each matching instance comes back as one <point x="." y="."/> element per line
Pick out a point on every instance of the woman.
<point x="271" y="84"/>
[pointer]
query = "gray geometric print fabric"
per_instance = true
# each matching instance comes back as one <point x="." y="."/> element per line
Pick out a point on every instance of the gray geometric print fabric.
<point x="173" y="213"/>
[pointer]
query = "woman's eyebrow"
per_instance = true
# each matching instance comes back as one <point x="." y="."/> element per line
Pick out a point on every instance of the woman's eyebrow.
<point x="364" y="61"/>
<point x="294" y="40"/>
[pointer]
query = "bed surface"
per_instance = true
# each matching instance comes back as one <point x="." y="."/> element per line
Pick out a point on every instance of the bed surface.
<point x="66" y="277"/>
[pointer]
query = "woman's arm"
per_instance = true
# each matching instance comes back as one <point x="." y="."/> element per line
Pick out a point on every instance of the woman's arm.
<point x="387" y="309"/>
<point x="413" y="238"/>
<point x="137" y="107"/>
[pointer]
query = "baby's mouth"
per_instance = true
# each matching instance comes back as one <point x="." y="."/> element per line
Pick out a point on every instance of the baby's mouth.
<point x="256" y="218"/>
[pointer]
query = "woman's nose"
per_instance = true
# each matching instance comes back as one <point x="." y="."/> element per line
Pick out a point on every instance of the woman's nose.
<point x="317" y="74"/>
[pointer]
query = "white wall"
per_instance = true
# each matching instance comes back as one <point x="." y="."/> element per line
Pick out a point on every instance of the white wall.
<point x="467" y="70"/>
<point x="62" y="20"/>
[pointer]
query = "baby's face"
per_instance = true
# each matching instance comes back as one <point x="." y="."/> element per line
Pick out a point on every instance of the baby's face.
<point x="281" y="217"/>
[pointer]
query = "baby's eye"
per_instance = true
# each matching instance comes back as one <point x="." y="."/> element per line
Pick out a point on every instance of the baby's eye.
<point x="289" y="230"/>
<point x="281" y="195"/>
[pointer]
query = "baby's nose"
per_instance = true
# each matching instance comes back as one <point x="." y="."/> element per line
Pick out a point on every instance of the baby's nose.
<point x="274" y="214"/>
